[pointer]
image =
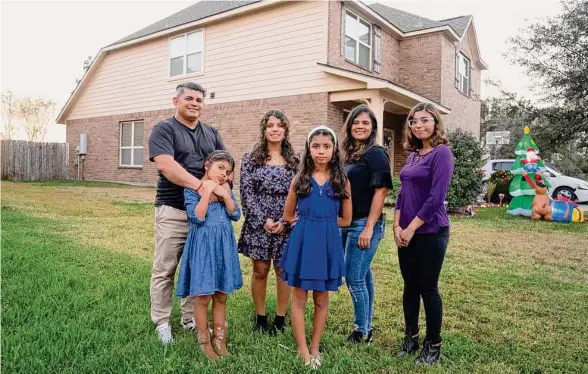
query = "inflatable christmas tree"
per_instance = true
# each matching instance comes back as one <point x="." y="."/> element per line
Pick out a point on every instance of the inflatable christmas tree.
<point x="529" y="162"/>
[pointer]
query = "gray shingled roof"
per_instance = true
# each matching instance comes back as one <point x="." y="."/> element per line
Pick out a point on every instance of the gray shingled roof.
<point x="408" y="22"/>
<point x="200" y="10"/>
<point x="404" y="21"/>
<point x="458" y="24"/>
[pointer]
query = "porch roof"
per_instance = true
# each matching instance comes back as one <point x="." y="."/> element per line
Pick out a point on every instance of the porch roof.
<point x="392" y="92"/>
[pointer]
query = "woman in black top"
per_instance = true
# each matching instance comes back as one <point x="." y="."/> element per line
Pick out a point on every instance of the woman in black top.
<point x="368" y="169"/>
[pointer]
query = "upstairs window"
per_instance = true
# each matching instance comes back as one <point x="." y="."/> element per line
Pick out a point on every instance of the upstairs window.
<point x="186" y="54"/>
<point x="462" y="76"/>
<point x="358" y="40"/>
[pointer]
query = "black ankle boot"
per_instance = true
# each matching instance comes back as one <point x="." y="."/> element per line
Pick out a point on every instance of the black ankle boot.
<point x="429" y="354"/>
<point x="356" y="336"/>
<point x="261" y="324"/>
<point x="370" y="337"/>
<point x="279" y="323"/>
<point x="410" y="345"/>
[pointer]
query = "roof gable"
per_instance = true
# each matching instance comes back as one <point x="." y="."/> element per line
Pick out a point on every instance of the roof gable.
<point x="458" y="24"/>
<point x="408" y="22"/>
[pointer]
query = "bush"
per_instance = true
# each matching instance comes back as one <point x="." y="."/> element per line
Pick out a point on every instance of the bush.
<point x="391" y="197"/>
<point x="466" y="183"/>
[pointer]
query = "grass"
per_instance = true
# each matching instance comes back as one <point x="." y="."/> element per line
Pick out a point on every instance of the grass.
<point x="75" y="295"/>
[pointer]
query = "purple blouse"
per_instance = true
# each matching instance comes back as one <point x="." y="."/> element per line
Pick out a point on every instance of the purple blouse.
<point x="424" y="184"/>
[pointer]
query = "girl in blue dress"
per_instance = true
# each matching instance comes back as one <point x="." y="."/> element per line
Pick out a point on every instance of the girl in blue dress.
<point x="210" y="266"/>
<point x="313" y="257"/>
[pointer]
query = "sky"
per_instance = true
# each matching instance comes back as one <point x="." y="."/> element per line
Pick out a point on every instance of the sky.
<point x="44" y="43"/>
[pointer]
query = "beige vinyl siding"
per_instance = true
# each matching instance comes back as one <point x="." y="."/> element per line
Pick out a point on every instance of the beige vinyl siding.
<point x="271" y="53"/>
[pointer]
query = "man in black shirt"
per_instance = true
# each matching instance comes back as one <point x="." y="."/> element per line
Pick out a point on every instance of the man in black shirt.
<point x="178" y="147"/>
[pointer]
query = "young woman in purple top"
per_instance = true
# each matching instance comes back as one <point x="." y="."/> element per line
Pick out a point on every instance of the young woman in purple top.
<point x="421" y="227"/>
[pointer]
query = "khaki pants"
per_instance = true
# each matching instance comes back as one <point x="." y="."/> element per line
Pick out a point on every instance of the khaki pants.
<point x="171" y="229"/>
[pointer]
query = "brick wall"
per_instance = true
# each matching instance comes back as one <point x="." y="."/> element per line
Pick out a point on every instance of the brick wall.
<point x="465" y="111"/>
<point x="238" y="123"/>
<point x="102" y="160"/>
<point x="389" y="47"/>
<point x="420" y="65"/>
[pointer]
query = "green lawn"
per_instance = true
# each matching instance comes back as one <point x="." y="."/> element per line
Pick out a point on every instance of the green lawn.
<point x="76" y="261"/>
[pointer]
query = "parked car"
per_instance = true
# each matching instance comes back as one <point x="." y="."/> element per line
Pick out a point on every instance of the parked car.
<point x="577" y="188"/>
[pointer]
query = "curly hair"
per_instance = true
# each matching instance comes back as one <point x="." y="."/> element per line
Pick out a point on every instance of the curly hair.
<point x="260" y="154"/>
<point x="351" y="150"/>
<point x="338" y="178"/>
<point x="410" y="142"/>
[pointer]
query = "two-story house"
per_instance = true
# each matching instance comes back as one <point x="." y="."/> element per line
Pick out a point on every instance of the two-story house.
<point x="314" y="60"/>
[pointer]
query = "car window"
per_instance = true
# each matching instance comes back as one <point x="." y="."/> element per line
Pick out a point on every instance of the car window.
<point x="495" y="166"/>
<point x="507" y="165"/>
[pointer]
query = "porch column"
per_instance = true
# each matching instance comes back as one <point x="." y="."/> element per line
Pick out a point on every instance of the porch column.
<point x="376" y="104"/>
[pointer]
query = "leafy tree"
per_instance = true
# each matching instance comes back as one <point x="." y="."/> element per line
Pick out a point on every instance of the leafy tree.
<point x="554" y="51"/>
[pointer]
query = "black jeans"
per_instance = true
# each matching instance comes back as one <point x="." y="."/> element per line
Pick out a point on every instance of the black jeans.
<point x="420" y="265"/>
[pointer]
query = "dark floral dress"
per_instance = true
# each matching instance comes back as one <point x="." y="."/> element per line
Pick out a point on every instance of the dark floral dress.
<point x="263" y="195"/>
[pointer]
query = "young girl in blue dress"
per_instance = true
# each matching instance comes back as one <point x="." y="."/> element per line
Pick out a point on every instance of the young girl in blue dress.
<point x="210" y="264"/>
<point x="313" y="257"/>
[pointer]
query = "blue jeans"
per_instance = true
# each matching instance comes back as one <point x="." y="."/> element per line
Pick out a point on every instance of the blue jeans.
<point x="359" y="276"/>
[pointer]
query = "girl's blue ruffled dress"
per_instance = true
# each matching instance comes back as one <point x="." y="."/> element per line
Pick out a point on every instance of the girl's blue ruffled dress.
<point x="313" y="258"/>
<point x="210" y="262"/>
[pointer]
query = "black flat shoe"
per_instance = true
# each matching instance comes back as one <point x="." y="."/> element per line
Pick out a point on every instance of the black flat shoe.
<point x="410" y="345"/>
<point x="429" y="355"/>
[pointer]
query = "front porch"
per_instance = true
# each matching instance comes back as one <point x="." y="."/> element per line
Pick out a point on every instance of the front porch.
<point x="389" y="102"/>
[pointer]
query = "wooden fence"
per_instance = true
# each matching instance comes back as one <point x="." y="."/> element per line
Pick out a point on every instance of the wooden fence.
<point x="31" y="161"/>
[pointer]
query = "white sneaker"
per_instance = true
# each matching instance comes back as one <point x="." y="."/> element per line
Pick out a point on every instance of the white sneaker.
<point x="165" y="333"/>
<point x="188" y="326"/>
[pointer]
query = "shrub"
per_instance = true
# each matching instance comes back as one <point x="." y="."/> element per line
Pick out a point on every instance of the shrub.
<point x="466" y="183"/>
<point x="391" y="197"/>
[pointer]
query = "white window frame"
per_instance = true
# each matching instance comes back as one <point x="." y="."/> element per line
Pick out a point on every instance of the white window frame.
<point x="357" y="41"/>
<point x="132" y="147"/>
<point x="169" y="55"/>
<point x="463" y="80"/>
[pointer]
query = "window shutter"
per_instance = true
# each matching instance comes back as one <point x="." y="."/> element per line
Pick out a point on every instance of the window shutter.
<point x="377" y="48"/>
<point x="343" y="11"/>
<point x="470" y="80"/>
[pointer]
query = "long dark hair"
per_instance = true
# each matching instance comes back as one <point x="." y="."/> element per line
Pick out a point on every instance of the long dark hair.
<point x="260" y="154"/>
<point x="410" y="142"/>
<point x="351" y="150"/>
<point x="219" y="155"/>
<point x="338" y="177"/>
